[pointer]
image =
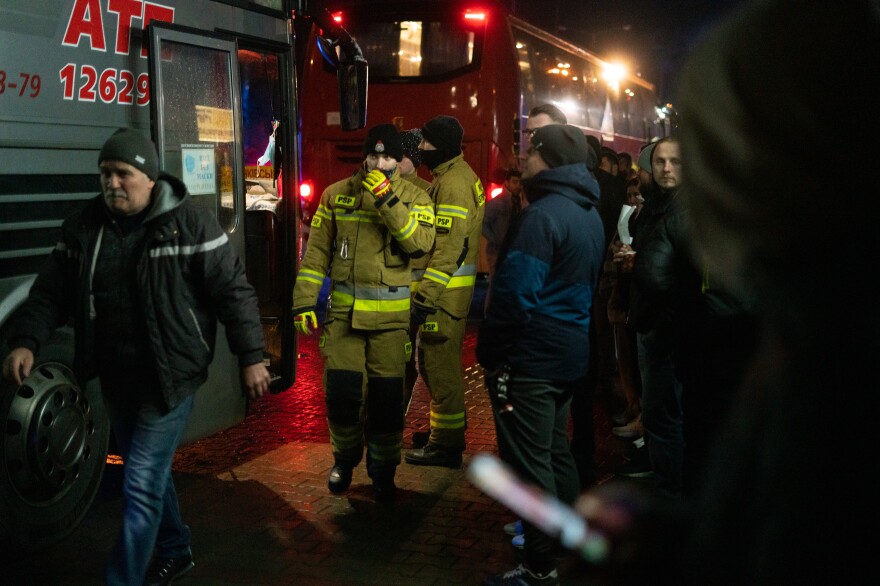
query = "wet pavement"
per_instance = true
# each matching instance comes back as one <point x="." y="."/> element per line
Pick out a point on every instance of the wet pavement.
<point x="256" y="499"/>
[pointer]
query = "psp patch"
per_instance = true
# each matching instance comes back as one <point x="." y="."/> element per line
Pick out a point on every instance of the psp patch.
<point x="425" y="218"/>
<point x="345" y="201"/>
<point x="480" y="192"/>
<point x="444" y="223"/>
<point x="430" y="327"/>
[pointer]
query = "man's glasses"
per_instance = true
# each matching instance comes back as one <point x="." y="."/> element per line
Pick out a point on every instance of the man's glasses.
<point x="529" y="131"/>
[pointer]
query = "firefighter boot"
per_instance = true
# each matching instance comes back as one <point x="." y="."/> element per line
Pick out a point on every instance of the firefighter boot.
<point x="339" y="479"/>
<point x="432" y="455"/>
<point x="384" y="489"/>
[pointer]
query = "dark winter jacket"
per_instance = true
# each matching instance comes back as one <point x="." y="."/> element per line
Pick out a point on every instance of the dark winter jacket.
<point x="538" y="318"/>
<point x="188" y="276"/>
<point x="647" y="305"/>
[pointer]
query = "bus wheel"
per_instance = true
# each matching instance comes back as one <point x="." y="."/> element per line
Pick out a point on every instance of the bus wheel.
<point x="53" y="448"/>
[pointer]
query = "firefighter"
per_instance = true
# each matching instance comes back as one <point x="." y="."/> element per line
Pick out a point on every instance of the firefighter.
<point x="365" y="232"/>
<point x="443" y="297"/>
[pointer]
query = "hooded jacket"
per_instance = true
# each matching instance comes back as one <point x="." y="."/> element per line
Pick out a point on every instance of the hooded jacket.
<point x="538" y="319"/>
<point x="188" y="275"/>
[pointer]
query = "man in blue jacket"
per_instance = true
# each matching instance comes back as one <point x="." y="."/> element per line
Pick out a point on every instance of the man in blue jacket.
<point x="534" y="340"/>
<point x="144" y="274"/>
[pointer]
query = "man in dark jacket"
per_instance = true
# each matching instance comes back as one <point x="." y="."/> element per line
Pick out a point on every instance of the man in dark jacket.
<point x="536" y="331"/>
<point x="651" y="315"/>
<point x="144" y="274"/>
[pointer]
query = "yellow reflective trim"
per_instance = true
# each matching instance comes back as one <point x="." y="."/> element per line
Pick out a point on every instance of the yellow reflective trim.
<point x="407" y="230"/>
<point x="386" y="453"/>
<point x="450" y="210"/>
<point x="305" y="271"/>
<point x="436" y="276"/>
<point x="465" y="281"/>
<point x="323" y="212"/>
<point x="311" y="279"/>
<point x="445" y="421"/>
<point x="382" y="305"/>
<point x="341" y="299"/>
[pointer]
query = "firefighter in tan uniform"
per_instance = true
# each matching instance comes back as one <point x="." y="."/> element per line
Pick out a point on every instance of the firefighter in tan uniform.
<point x="364" y="234"/>
<point x="444" y="293"/>
<point x="410" y="140"/>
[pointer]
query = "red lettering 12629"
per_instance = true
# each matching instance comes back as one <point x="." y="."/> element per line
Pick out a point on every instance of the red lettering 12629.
<point x="28" y="85"/>
<point x="111" y="85"/>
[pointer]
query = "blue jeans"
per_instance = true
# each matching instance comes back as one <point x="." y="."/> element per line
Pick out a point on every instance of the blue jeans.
<point x="147" y="439"/>
<point x="661" y="409"/>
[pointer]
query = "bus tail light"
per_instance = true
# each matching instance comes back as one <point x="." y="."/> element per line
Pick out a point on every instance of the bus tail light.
<point x="475" y="16"/>
<point x="305" y="190"/>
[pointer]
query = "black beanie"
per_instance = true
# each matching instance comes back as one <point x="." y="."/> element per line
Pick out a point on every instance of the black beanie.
<point x="383" y="139"/>
<point x="445" y="133"/>
<point x="596" y="147"/>
<point x="561" y="144"/>
<point x="132" y="147"/>
<point x="410" y="141"/>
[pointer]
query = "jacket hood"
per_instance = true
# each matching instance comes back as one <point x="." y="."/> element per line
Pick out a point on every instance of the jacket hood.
<point x="575" y="182"/>
<point x="169" y="192"/>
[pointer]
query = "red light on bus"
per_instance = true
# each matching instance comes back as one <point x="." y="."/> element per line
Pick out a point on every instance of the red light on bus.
<point x="495" y="190"/>
<point x="337" y="17"/>
<point x="305" y="190"/>
<point x="475" y="16"/>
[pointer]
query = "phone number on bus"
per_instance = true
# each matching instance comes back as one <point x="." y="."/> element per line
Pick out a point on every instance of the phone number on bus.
<point x="112" y="85"/>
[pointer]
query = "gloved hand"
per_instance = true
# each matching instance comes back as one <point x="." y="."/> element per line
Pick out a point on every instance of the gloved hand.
<point x="376" y="183"/>
<point x="306" y="322"/>
<point x="419" y="312"/>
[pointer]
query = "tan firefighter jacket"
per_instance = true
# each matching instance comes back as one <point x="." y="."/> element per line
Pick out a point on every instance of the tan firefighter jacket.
<point x="450" y="272"/>
<point x="366" y="250"/>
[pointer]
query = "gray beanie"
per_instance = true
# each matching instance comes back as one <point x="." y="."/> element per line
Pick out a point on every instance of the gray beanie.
<point x="132" y="147"/>
<point x="561" y="144"/>
<point x="645" y="156"/>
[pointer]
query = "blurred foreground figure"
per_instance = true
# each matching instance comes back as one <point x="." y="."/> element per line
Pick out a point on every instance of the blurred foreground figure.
<point x="786" y="485"/>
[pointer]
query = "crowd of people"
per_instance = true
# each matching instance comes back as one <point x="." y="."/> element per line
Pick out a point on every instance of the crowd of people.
<point x="690" y="286"/>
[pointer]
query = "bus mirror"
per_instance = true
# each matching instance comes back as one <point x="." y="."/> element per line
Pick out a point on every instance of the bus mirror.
<point x="327" y="49"/>
<point x="342" y="52"/>
<point x="352" y="78"/>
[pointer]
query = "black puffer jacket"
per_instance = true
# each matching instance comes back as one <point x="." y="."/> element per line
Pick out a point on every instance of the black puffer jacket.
<point x="188" y="276"/>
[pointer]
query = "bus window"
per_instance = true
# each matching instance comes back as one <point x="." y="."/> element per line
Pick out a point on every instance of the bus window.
<point x="199" y="135"/>
<point x="417" y="48"/>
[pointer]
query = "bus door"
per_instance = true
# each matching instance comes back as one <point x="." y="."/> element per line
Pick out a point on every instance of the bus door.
<point x="202" y="93"/>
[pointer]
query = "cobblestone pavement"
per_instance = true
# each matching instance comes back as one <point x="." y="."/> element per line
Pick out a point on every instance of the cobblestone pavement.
<point x="256" y="499"/>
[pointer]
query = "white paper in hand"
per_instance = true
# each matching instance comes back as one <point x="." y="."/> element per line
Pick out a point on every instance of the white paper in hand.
<point x="623" y="223"/>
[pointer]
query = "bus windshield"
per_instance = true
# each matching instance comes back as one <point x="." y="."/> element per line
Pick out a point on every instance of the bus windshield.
<point x="417" y="50"/>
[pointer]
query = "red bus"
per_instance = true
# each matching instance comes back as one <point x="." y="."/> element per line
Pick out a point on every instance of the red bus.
<point x="472" y="60"/>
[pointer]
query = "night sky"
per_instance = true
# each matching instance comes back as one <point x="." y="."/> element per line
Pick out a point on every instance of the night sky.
<point x="653" y="36"/>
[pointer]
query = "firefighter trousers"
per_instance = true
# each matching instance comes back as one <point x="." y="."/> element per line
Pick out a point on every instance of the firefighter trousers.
<point x="440" y="343"/>
<point x="363" y="383"/>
